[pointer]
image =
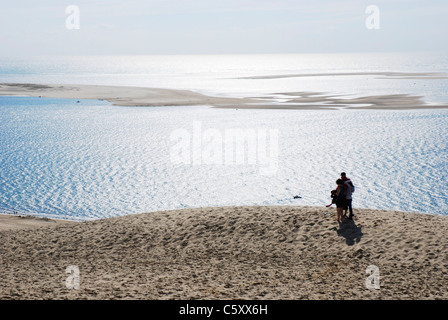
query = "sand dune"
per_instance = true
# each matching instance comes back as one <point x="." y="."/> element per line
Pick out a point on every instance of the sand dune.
<point x="230" y="253"/>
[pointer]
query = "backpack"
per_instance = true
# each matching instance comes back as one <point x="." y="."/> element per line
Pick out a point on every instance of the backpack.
<point x="352" y="186"/>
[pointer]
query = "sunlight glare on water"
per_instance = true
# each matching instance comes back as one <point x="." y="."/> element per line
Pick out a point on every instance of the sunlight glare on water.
<point x="91" y="160"/>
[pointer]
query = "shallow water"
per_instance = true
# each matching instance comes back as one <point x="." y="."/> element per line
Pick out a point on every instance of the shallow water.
<point x="89" y="160"/>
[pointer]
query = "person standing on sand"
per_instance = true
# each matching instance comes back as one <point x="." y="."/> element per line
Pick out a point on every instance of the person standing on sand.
<point x="350" y="188"/>
<point x="340" y="199"/>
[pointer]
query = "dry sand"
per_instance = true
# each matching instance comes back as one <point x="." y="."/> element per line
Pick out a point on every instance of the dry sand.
<point x="17" y="222"/>
<point x="230" y="253"/>
<point x="138" y="96"/>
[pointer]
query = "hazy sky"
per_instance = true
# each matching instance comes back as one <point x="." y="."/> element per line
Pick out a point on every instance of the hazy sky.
<point x="110" y="27"/>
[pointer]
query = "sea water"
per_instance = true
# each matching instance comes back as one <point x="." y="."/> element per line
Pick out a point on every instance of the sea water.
<point x="87" y="159"/>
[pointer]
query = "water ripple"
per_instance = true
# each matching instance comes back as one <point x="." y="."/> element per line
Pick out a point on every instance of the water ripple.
<point x="91" y="160"/>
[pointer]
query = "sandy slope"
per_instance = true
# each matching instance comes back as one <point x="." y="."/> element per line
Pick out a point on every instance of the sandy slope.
<point x="140" y="96"/>
<point x="230" y="253"/>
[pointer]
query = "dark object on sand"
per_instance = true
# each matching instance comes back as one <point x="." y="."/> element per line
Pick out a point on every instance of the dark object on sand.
<point x="333" y="198"/>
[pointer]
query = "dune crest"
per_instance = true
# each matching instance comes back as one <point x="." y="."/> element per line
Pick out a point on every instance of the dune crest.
<point x="231" y="253"/>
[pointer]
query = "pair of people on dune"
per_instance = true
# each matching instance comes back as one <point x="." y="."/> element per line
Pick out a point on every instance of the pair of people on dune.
<point x="342" y="197"/>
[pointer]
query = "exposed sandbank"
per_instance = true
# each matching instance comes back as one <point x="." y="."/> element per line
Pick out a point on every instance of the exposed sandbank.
<point x="17" y="222"/>
<point x="138" y="96"/>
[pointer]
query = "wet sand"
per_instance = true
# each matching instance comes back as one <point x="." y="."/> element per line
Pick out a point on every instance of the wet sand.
<point x="158" y="97"/>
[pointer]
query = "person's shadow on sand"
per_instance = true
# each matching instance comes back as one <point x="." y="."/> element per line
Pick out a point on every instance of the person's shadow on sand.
<point x="350" y="231"/>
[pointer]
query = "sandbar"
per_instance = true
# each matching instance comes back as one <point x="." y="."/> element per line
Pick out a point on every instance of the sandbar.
<point x="160" y="97"/>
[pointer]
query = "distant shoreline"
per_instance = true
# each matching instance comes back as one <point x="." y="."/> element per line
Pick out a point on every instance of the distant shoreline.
<point x="392" y="75"/>
<point x="159" y="97"/>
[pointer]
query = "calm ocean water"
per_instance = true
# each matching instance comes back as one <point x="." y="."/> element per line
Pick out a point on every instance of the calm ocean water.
<point x="89" y="160"/>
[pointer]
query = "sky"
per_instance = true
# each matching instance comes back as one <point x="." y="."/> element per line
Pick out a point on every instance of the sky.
<point x="131" y="27"/>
